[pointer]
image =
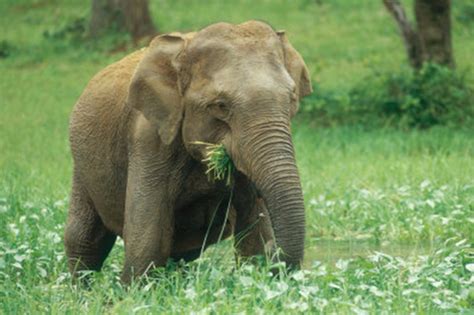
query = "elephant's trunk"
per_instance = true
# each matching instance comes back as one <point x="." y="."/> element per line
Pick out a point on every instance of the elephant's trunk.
<point x="271" y="166"/>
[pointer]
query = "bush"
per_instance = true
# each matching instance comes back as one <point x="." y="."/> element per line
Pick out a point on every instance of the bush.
<point x="435" y="95"/>
<point x="6" y="49"/>
<point x="328" y="107"/>
<point x="73" y="33"/>
<point x="72" y="30"/>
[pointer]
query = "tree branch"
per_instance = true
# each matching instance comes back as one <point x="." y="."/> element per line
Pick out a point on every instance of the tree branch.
<point x="410" y="36"/>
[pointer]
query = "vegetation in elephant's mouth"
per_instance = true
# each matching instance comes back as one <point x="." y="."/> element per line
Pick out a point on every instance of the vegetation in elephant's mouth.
<point x="218" y="162"/>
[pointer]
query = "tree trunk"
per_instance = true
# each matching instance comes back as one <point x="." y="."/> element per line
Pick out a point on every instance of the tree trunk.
<point x="431" y="39"/>
<point x="433" y="19"/>
<point x="131" y="16"/>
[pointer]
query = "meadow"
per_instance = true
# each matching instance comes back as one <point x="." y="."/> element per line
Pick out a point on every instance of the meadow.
<point x="390" y="212"/>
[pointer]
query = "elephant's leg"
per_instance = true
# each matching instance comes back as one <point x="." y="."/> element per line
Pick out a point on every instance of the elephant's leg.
<point x="253" y="228"/>
<point x="153" y="184"/>
<point x="87" y="240"/>
<point x="253" y="231"/>
<point x="148" y="239"/>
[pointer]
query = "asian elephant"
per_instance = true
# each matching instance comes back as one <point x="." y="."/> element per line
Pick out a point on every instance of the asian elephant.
<point x="138" y="170"/>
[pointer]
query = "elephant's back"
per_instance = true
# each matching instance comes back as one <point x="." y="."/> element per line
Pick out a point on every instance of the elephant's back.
<point x="100" y="111"/>
<point x="98" y="132"/>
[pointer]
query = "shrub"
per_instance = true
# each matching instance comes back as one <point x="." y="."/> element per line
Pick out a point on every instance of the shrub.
<point x="73" y="33"/>
<point x="435" y="95"/>
<point x="328" y="107"/>
<point x="6" y="49"/>
<point x="73" y="30"/>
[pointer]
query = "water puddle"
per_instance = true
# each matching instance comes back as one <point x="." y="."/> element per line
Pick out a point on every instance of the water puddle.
<point x="331" y="251"/>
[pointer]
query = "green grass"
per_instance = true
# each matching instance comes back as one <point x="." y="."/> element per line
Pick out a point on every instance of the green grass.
<point x="390" y="213"/>
<point x="219" y="164"/>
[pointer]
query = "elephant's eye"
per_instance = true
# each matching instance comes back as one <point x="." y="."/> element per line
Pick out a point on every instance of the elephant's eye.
<point x="219" y="110"/>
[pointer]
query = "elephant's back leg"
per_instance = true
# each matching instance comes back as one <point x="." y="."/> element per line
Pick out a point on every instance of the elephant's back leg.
<point x="87" y="240"/>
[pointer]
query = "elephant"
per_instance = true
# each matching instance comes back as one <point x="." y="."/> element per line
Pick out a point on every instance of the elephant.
<point x="138" y="170"/>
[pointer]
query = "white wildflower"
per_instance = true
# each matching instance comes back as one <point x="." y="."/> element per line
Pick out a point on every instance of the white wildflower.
<point x="14" y="229"/>
<point x="376" y="291"/>
<point x="342" y="264"/>
<point x="246" y="281"/>
<point x="470" y="267"/>
<point x="299" y="275"/>
<point x="424" y="184"/>
<point x="190" y="293"/>
<point x="308" y="291"/>
<point x="359" y="311"/>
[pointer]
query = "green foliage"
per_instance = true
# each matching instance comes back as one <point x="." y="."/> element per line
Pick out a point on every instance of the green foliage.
<point x="74" y="33"/>
<point x="435" y="95"/>
<point x="328" y="107"/>
<point x="6" y="49"/>
<point x="73" y="30"/>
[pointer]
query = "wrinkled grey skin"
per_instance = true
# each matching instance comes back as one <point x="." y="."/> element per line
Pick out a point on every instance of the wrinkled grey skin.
<point x="137" y="169"/>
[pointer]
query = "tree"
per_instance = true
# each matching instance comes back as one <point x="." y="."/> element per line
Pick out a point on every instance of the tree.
<point x="430" y="40"/>
<point x="132" y="16"/>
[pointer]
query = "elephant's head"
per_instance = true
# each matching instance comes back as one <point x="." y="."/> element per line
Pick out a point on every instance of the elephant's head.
<point x="238" y="85"/>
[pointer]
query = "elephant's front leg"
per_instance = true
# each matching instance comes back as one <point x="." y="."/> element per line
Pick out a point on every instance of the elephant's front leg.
<point x="253" y="228"/>
<point x="148" y="234"/>
<point x="152" y="188"/>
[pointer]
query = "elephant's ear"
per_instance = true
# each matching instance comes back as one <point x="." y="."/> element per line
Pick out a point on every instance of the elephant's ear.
<point x="155" y="86"/>
<point x="297" y="69"/>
